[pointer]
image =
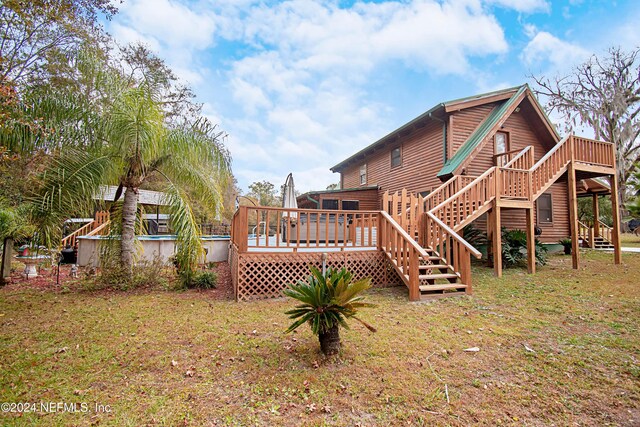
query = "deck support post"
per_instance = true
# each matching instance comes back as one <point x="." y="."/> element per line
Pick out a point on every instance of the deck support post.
<point x="531" y="242"/>
<point x="497" y="242"/>
<point x="414" y="280"/>
<point x="615" y="213"/>
<point x="596" y="216"/>
<point x="573" y="215"/>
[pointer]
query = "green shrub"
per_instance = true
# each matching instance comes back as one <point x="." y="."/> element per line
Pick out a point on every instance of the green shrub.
<point x="197" y="280"/>
<point x="514" y="249"/>
<point x="205" y="280"/>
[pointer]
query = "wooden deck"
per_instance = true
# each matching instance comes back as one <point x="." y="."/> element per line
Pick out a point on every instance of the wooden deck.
<point x="413" y="240"/>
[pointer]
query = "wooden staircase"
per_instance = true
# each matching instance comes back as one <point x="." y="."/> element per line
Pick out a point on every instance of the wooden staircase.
<point x="99" y="225"/>
<point x="421" y="235"/>
<point x="599" y="237"/>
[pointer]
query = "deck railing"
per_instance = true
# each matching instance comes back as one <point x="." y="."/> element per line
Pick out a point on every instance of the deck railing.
<point x="523" y="160"/>
<point x="446" y="190"/>
<point x="515" y="183"/>
<point x="403" y="252"/>
<point x="263" y="228"/>
<point x="594" y="152"/>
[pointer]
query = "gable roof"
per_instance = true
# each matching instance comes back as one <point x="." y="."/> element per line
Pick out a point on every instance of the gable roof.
<point x="490" y="124"/>
<point x="443" y="107"/>
<point x="481" y="133"/>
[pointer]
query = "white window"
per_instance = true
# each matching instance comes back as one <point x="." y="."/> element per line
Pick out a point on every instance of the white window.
<point x="396" y="157"/>
<point x="545" y="209"/>
<point x="363" y="174"/>
<point x="501" y="145"/>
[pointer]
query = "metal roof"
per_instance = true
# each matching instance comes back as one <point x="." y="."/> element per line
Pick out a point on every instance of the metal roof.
<point x="145" y="197"/>
<point x="424" y="116"/>
<point x="479" y="134"/>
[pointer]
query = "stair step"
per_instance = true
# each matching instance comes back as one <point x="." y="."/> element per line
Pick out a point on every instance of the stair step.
<point x="431" y="258"/>
<point x="443" y="287"/>
<point x="433" y="266"/>
<point x="438" y="276"/>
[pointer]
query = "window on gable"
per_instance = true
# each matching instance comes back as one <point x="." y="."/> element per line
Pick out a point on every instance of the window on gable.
<point x="363" y="174"/>
<point x="545" y="209"/>
<point x="396" y="157"/>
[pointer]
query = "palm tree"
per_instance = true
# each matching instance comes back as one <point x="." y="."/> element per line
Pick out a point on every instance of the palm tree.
<point x="136" y="145"/>
<point x="328" y="299"/>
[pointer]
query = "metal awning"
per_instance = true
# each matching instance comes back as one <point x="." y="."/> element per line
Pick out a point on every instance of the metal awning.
<point x="145" y="197"/>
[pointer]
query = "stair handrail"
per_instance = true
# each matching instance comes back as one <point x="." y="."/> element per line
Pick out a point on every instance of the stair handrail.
<point x="404" y="234"/>
<point x="99" y="229"/>
<point x="456" y="182"/>
<point x="538" y="165"/>
<point x="473" y="251"/>
<point x="523" y="152"/>
<point x="491" y="188"/>
<point x="71" y="238"/>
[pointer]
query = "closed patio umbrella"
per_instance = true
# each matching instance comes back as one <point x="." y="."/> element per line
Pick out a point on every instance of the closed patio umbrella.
<point x="289" y="197"/>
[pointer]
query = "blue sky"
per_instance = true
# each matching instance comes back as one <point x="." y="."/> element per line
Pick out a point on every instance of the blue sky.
<point x="300" y="85"/>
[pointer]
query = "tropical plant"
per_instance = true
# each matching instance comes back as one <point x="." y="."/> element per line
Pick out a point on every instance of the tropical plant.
<point x="566" y="244"/>
<point x="327" y="301"/>
<point x="514" y="248"/>
<point x="474" y="236"/>
<point x="136" y="146"/>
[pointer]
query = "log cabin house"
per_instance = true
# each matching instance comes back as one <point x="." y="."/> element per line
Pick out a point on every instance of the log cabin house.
<point x="493" y="160"/>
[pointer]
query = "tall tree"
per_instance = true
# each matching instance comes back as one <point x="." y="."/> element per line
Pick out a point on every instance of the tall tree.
<point x="138" y="145"/>
<point x="265" y="193"/>
<point x="603" y="94"/>
<point x="38" y="35"/>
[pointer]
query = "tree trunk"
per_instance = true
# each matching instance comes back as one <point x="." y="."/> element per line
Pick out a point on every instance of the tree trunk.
<point x="127" y="239"/>
<point x="330" y="341"/>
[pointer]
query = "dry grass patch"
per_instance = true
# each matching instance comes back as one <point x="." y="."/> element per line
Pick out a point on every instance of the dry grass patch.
<point x="630" y="240"/>
<point x="160" y="358"/>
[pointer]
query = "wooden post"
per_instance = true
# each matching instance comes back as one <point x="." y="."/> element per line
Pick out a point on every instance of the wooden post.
<point x="5" y="266"/>
<point x="615" y="213"/>
<point x="497" y="242"/>
<point x="531" y="243"/>
<point x="490" y="224"/>
<point x="573" y="214"/>
<point x="380" y="231"/>
<point x="465" y="269"/>
<point x="596" y="216"/>
<point x="414" y="280"/>
<point x="243" y="229"/>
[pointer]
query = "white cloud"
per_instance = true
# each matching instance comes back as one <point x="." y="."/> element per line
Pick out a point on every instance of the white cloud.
<point x="546" y="50"/>
<point x="524" y="6"/>
<point x="297" y="85"/>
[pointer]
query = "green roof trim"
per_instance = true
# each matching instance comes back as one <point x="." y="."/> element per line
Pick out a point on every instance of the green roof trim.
<point x="482" y="95"/>
<point x="479" y="134"/>
<point x="339" y="190"/>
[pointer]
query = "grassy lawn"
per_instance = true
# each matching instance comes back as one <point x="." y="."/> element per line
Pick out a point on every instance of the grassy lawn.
<point x="630" y="240"/>
<point x="162" y="358"/>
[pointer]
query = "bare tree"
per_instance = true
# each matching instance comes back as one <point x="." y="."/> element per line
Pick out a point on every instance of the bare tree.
<point x="604" y="94"/>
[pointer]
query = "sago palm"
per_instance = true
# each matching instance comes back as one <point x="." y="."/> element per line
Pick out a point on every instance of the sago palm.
<point x="136" y="145"/>
<point x="327" y="301"/>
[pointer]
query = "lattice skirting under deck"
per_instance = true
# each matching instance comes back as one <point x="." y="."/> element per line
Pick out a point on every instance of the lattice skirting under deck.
<point x="265" y="275"/>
